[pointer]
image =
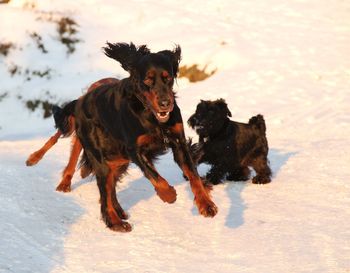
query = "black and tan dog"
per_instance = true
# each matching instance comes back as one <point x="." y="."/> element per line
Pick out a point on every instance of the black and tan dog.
<point x="67" y="175"/>
<point x="133" y="120"/>
<point x="229" y="147"/>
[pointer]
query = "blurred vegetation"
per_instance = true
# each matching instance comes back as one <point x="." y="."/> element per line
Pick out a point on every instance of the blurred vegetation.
<point x="5" y="48"/>
<point x="67" y="29"/>
<point x="3" y="95"/>
<point x="45" y="105"/>
<point x="39" y="42"/>
<point x="195" y="74"/>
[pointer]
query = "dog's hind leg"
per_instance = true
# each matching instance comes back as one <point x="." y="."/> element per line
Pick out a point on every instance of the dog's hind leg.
<point x="262" y="169"/>
<point x="119" y="169"/>
<point x="65" y="184"/>
<point x="111" y="211"/>
<point x="35" y="157"/>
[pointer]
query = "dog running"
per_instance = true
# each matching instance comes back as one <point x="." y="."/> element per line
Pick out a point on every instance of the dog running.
<point x="35" y="157"/>
<point x="135" y="120"/>
<point x="229" y="147"/>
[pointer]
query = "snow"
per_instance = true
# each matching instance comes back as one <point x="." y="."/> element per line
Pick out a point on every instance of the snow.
<point x="287" y="60"/>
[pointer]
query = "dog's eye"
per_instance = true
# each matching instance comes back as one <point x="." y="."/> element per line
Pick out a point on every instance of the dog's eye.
<point x="168" y="79"/>
<point x="148" y="81"/>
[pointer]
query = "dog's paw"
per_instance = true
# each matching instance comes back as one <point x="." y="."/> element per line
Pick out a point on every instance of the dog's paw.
<point x="207" y="208"/>
<point x="33" y="159"/>
<point x="65" y="185"/>
<point x="121" y="227"/>
<point x="167" y="195"/>
<point x="261" y="180"/>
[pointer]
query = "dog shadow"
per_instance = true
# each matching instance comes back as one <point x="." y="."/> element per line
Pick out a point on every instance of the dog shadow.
<point x="235" y="216"/>
<point x="278" y="159"/>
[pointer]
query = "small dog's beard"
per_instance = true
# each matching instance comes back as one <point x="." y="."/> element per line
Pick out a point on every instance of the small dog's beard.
<point x="201" y="129"/>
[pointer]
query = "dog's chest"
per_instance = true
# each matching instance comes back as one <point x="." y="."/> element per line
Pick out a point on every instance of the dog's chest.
<point x="156" y="141"/>
<point x="217" y="149"/>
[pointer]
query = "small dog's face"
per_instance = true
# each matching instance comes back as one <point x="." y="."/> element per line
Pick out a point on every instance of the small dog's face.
<point x="154" y="74"/>
<point x="209" y="117"/>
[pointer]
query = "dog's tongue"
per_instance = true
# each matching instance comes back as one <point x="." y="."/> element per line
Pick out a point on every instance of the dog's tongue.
<point x="163" y="114"/>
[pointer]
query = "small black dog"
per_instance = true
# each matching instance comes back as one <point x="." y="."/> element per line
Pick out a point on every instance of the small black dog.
<point x="229" y="146"/>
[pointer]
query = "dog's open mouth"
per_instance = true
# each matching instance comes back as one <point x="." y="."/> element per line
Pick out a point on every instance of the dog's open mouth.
<point x="163" y="116"/>
<point x="198" y="127"/>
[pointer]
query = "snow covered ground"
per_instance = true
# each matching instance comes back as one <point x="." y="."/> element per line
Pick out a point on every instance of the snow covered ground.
<point x="288" y="60"/>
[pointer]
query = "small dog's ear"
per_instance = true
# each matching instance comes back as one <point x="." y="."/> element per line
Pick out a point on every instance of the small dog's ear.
<point x="126" y="54"/>
<point x="175" y="58"/>
<point x="223" y="105"/>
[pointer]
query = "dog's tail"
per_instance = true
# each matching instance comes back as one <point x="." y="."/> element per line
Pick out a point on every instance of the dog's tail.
<point x="85" y="166"/>
<point x="259" y="122"/>
<point x="64" y="118"/>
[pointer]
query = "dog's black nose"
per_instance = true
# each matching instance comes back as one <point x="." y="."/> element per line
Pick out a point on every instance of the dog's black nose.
<point x="164" y="103"/>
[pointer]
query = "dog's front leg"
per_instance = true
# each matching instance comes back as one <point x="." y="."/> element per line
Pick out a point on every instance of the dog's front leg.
<point x="197" y="153"/>
<point x="215" y="175"/>
<point x="165" y="192"/>
<point x="183" y="158"/>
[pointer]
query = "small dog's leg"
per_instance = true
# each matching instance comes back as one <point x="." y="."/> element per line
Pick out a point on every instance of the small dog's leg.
<point x="238" y="174"/>
<point x="262" y="169"/>
<point x="35" y="157"/>
<point x="197" y="153"/>
<point x="215" y="175"/>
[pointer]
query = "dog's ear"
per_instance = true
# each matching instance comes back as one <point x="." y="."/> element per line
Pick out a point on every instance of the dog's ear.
<point x="223" y="105"/>
<point x="126" y="54"/>
<point x="175" y="58"/>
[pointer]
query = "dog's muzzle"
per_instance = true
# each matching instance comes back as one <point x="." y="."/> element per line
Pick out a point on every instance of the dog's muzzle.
<point x="165" y="106"/>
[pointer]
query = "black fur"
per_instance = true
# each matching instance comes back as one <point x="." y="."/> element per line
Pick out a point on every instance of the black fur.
<point x="61" y="117"/>
<point x="230" y="147"/>
<point x="134" y="120"/>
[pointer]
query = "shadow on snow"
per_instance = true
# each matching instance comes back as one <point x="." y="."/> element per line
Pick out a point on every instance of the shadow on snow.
<point x="235" y="216"/>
